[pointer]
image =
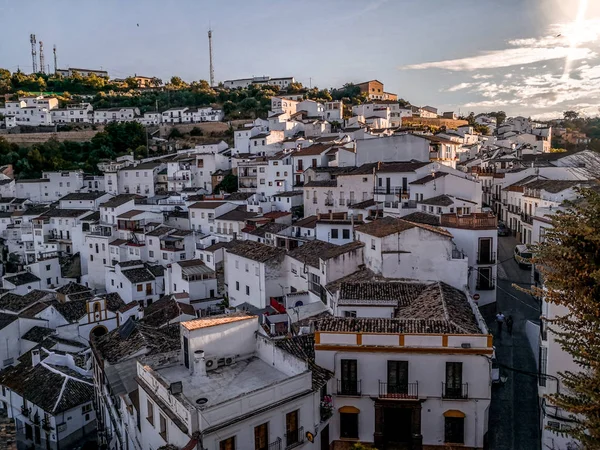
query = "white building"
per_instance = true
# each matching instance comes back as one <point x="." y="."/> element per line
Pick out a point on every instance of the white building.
<point x="50" y="400"/>
<point x="117" y="114"/>
<point x="271" y="402"/>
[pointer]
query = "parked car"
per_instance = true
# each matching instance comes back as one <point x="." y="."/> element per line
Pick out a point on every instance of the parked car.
<point x="503" y="230"/>
<point x="523" y="256"/>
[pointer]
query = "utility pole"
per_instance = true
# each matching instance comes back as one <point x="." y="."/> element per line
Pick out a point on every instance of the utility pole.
<point x="42" y="64"/>
<point x="210" y="55"/>
<point x="33" y="53"/>
<point x="55" y="66"/>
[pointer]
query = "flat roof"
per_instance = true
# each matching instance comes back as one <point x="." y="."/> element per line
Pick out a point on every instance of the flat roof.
<point x="214" y="321"/>
<point x="224" y="383"/>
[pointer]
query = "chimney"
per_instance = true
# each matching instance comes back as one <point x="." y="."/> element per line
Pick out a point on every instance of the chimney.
<point x="35" y="357"/>
<point x="272" y="329"/>
<point x="199" y="363"/>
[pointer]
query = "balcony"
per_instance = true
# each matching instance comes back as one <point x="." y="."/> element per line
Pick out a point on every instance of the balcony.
<point x="328" y="202"/>
<point x="25" y="411"/>
<point x="453" y="392"/>
<point x="398" y="191"/>
<point x="294" y="438"/>
<point x="275" y="445"/>
<point x="527" y="218"/>
<point x="399" y="391"/>
<point x="348" y="387"/>
<point x="486" y="257"/>
<point x="475" y="221"/>
<point x="514" y="209"/>
<point x="46" y="425"/>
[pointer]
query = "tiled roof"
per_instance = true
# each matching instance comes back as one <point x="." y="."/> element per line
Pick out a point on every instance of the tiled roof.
<point x="68" y="213"/>
<point x="420" y="308"/>
<point x="255" y="251"/>
<point x="440" y="200"/>
<point x="138" y="275"/>
<point x="312" y="150"/>
<point x="206" y="205"/>
<point x="390" y="225"/>
<point x="114" y="302"/>
<point x="310" y="252"/>
<point x="303" y="347"/>
<point x="7" y="319"/>
<point x="400" y="292"/>
<point x="119" y="200"/>
<point x="22" y="278"/>
<point x="239" y="215"/>
<point x="116" y="346"/>
<point x="83" y="196"/>
<point x="238" y="196"/>
<point x="271" y="227"/>
<point x="130" y="214"/>
<point x="307" y="222"/>
<point x="553" y="186"/>
<point x="428" y="178"/>
<point x="38" y="334"/>
<point x="421" y="217"/>
<point x="164" y="310"/>
<point x="53" y="388"/>
<point x="288" y="194"/>
<point x="72" y="310"/>
<point x="72" y="288"/>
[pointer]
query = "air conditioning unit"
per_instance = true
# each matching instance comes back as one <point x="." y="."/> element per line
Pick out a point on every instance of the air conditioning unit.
<point x="229" y="360"/>
<point x="211" y="363"/>
<point x="553" y="425"/>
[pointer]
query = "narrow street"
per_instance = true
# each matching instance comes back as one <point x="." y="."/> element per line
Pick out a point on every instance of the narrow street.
<point x="514" y="415"/>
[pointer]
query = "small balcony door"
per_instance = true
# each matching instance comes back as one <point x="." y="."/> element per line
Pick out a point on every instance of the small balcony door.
<point x="349" y="376"/>
<point x="397" y="377"/>
<point x="485" y="250"/>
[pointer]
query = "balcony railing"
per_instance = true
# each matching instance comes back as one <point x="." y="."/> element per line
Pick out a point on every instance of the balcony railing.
<point x="348" y="387"/>
<point x="294" y="438"/>
<point x="527" y="218"/>
<point x="328" y="202"/>
<point x="398" y="191"/>
<point x="454" y="392"/>
<point x="25" y="411"/>
<point x="486" y="257"/>
<point x="470" y="221"/>
<point x="398" y="391"/>
<point x="275" y="445"/>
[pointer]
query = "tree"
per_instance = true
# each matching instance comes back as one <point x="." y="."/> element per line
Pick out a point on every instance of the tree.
<point x="570" y="115"/>
<point x="569" y="262"/>
<point x="229" y="184"/>
<point x="404" y="103"/>
<point x="131" y="83"/>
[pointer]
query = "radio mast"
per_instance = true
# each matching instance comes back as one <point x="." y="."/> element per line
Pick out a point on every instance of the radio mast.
<point x="33" y="53"/>
<point x="210" y="54"/>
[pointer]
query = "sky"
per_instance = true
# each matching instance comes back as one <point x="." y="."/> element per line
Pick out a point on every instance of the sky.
<point x="534" y="58"/>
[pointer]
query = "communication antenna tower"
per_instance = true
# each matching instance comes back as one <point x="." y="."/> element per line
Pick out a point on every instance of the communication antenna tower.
<point x="42" y="64"/>
<point x="33" y="53"/>
<point x="210" y="54"/>
<point x="55" y="66"/>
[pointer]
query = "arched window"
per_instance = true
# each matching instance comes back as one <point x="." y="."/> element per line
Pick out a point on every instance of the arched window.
<point x="97" y="307"/>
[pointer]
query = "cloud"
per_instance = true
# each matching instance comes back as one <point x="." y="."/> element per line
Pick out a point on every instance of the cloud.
<point x="480" y="76"/>
<point x="460" y="87"/>
<point x="506" y="58"/>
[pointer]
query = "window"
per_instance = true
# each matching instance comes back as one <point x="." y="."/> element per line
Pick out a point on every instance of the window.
<point x="291" y="428"/>
<point x="86" y="408"/>
<point x="349" y="425"/>
<point x="334" y="233"/>
<point x="237" y="285"/>
<point x="28" y="432"/>
<point x="237" y="264"/>
<point x="454" y="430"/>
<point x="453" y="380"/>
<point x="165" y="256"/>
<point x="346" y="234"/>
<point x="163" y="427"/>
<point x="151" y="254"/>
<point x="246" y="267"/>
<point x="229" y="443"/>
<point x="247" y="290"/>
<point x="372" y="244"/>
<point x="150" y="416"/>
<point x="48" y="266"/>
<point x="140" y="287"/>
<point x="349" y="381"/>
<point x="349" y="313"/>
<point x="261" y="437"/>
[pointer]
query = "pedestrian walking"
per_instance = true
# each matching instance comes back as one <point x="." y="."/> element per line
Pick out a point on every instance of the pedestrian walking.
<point x="499" y="322"/>
<point x="509" y="324"/>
